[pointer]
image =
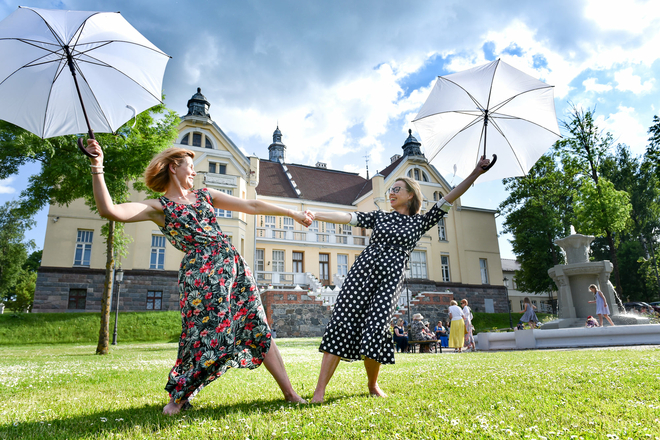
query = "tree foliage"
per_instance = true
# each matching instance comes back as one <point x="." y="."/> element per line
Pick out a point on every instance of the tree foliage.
<point x="65" y="173"/>
<point x="13" y="249"/>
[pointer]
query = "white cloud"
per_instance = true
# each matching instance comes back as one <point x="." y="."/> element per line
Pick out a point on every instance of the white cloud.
<point x="5" y="186"/>
<point x="633" y="83"/>
<point x="591" y="85"/>
<point x="630" y="16"/>
<point x="626" y="128"/>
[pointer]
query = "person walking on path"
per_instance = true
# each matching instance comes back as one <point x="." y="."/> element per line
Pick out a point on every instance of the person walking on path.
<point x="359" y="326"/>
<point x="457" y="328"/>
<point x="469" y="329"/>
<point x="601" y="305"/>
<point x="222" y="318"/>
<point x="528" y="314"/>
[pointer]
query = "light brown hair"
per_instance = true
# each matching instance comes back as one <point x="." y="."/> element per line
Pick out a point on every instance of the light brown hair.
<point x="415" y="204"/>
<point x="157" y="174"/>
<point x="453" y="303"/>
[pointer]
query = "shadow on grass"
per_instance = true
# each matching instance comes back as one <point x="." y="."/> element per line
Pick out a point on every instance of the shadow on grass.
<point x="147" y="420"/>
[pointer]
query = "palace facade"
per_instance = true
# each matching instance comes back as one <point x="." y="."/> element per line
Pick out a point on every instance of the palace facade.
<point x="461" y="253"/>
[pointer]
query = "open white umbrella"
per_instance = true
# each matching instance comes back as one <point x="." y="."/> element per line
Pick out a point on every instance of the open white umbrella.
<point x="510" y="113"/>
<point x="69" y="72"/>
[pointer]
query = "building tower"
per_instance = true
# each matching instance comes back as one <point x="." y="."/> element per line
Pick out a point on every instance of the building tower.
<point x="277" y="150"/>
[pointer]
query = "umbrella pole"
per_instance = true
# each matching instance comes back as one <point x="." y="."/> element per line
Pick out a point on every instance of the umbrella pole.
<point x="69" y="60"/>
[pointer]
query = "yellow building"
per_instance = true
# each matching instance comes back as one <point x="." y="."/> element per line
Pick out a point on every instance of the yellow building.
<point x="461" y="253"/>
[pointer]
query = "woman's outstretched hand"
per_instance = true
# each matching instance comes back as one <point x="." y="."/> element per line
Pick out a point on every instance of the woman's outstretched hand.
<point x="94" y="148"/>
<point x="482" y="166"/>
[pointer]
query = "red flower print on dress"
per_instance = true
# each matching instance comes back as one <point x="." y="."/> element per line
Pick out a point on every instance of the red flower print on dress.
<point x="214" y="343"/>
<point x="249" y="326"/>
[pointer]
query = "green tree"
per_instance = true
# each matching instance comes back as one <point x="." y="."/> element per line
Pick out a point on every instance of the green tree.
<point x="538" y="211"/>
<point x="65" y="174"/>
<point x="585" y="149"/>
<point x="13" y="249"/>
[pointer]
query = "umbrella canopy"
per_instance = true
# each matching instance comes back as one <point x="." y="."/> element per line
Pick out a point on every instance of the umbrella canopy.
<point x="119" y="72"/>
<point x="489" y="109"/>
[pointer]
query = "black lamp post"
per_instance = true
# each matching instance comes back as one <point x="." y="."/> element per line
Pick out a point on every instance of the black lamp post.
<point x="119" y="277"/>
<point x="508" y="303"/>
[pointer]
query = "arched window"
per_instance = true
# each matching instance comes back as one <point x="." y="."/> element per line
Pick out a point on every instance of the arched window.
<point x="197" y="140"/>
<point x="418" y="174"/>
<point x="208" y="143"/>
<point x="186" y="139"/>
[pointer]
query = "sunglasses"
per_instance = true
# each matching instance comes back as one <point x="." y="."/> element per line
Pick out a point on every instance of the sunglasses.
<point x="395" y="189"/>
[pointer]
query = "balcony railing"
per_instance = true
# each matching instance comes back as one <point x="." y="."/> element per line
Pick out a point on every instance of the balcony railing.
<point x="311" y="237"/>
<point x="281" y="278"/>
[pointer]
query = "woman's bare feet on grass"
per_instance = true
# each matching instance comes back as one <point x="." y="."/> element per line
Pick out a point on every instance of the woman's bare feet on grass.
<point x="172" y="408"/>
<point x="376" y="392"/>
<point x="294" y="398"/>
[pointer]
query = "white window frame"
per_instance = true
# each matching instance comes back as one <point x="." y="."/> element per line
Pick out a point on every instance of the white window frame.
<point x="418" y="265"/>
<point x="157" y="260"/>
<point x="269" y="221"/>
<point x="342" y="264"/>
<point x="259" y="259"/>
<point x="314" y="227"/>
<point x="483" y="268"/>
<point x="444" y="268"/>
<point x="442" y="230"/>
<point x="217" y="166"/>
<point x="83" y="254"/>
<point x="222" y="213"/>
<point x="278" y="260"/>
<point x="287" y="223"/>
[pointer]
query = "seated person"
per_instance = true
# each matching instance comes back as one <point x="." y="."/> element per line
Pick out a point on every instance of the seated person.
<point x="591" y="322"/>
<point x="418" y="332"/>
<point x="400" y="336"/>
<point x="440" y="330"/>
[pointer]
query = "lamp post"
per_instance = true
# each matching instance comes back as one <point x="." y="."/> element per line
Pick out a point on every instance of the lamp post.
<point x="508" y="303"/>
<point x="119" y="277"/>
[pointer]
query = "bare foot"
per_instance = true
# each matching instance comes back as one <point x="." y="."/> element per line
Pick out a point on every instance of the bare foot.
<point x="294" y="398"/>
<point x="172" y="408"/>
<point x="318" y="398"/>
<point x="376" y="392"/>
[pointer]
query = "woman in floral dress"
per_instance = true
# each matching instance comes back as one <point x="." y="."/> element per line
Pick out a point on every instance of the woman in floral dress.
<point x="223" y="321"/>
<point x="359" y="326"/>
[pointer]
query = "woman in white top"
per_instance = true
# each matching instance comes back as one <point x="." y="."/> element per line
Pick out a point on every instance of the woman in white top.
<point x="469" y="336"/>
<point x="457" y="328"/>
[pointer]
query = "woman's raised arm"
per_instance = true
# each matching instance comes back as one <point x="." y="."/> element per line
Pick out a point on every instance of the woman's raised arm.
<point x="125" y="212"/>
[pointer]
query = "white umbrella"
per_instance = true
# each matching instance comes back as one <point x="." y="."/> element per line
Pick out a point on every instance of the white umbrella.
<point x="494" y="105"/>
<point x="68" y="72"/>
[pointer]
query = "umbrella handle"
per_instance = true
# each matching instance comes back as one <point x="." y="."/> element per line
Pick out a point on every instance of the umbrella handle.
<point x="490" y="165"/>
<point x="81" y="145"/>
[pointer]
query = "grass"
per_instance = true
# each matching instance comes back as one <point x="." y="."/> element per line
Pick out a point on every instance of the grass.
<point x="83" y="328"/>
<point x="66" y="392"/>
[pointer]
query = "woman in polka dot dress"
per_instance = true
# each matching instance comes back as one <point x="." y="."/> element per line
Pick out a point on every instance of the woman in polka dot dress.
<point x="223" y="321"/>
<point x="359" y="326"/>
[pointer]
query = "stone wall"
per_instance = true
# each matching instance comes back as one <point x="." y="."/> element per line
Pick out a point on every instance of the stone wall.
<point x="474" y="293"/>
<point x="293" y="313"/>
<point x="54" y="284"/>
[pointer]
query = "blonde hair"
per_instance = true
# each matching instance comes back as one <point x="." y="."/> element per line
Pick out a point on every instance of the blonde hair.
<point x="453" y="303"/>
<point x="464" y="300"/>
<point x="415" y="204"/>
<point x="593" y="286"/>
<point x="157" y="174"/>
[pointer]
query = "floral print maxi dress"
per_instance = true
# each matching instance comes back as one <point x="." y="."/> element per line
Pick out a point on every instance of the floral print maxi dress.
<point x="223" y="321"/>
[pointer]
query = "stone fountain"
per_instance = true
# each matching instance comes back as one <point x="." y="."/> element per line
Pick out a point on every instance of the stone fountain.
<point x="573" y="280"/>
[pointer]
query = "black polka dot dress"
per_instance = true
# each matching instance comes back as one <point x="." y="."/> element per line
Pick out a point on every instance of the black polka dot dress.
<point x="360" y="322"/>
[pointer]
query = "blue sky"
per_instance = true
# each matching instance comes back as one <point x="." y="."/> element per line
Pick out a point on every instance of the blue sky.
<point x="344" y="79"/>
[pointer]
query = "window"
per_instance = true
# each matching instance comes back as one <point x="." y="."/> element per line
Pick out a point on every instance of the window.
<point x="217" y="168"/>
<point x="278" y="261"/>
<point x="297" y="262"/>
<point x="269" y="221"/>
<point x="418" y="264"/>
<point x="442" y="232"/>
<point x="77" y="299"/>
<point x="186" y="139"/>
<point x="287" y="223"/>
<point x="342" y="264"/>
<point x="197" y="140"/>
<point x="437" y="195"/>
<point x="444" y="268"/>
<point x="222" y="212"/>
<point x="314" y="227"/>
<point x="418" y="175"/>
<point x="345" y="229"/>
<point x="83" y="248"/>
<point x="157" y="252"/>
<point x="330" y="228"/>
<point x="154" y="300"/>
<point x="259" y="263"/>
<point x="208" y="144"/>
<point x="483" y="266"/>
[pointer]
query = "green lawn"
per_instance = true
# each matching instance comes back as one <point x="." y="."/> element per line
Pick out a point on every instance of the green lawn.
<point x="67" y="392"/>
